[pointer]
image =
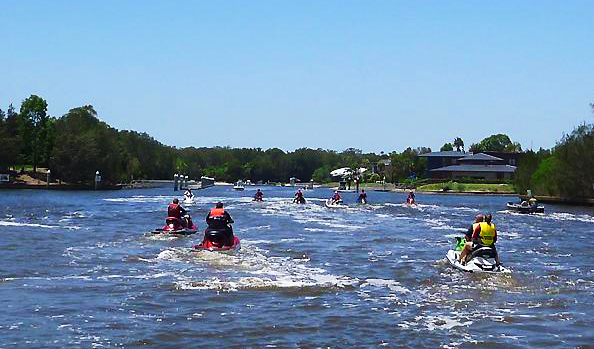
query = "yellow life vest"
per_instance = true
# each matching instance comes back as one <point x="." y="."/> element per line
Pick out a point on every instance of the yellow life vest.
<point x="487" y="233"/>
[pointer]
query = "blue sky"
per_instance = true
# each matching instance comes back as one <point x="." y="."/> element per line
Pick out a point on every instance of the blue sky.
<point x="374" y="75"/>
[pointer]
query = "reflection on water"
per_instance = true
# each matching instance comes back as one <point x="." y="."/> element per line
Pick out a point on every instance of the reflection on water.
<point x="82" y="269"/>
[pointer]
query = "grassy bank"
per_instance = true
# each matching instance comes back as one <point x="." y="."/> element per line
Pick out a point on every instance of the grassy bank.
<point x="468" y="187"/>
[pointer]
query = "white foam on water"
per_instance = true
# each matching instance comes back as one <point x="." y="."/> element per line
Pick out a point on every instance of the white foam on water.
<point x="392" y="285"/>
<point x="251" y="268"/>
<point x="35" y="225"/>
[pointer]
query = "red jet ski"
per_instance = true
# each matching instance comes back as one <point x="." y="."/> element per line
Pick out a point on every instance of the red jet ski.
<point x="174" y="225"/>
<point x="216" y="240"/>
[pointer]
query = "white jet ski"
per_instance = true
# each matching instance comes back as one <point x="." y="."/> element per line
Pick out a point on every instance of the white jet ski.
<point x="337" y="204"/>
<point x="480" y="261"/>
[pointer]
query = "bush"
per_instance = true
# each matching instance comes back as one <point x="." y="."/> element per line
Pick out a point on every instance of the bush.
<point x="460" y="187"/>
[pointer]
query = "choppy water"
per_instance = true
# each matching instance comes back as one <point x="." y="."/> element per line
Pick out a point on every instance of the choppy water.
<point x="79" y="269"/>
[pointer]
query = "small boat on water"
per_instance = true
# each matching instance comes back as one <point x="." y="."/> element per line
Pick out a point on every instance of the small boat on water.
<point x="239" y="186"/>
<point x="525" y="207"/>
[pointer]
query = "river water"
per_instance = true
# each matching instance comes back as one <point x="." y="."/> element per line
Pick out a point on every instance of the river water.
<point x="80" y="269"/>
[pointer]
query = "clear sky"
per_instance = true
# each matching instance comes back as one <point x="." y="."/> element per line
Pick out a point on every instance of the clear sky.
<point x="374" y="75"/>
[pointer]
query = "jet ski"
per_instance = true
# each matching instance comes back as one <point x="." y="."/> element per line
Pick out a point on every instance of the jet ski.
<point x="524" y="207"/>
<point x="481" y="260"/>
<point x="337" y="204"/>
<point x="362" y="201"/>
<point x="216" y="240"/>
<point x="410" y="201"/>
<point x="174" y="225"/>
<point x="300" y="200"/>
<point x="188" y="199"/>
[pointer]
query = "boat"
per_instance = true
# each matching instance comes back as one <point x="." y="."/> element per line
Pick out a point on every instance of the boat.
<point x="239" y="186"/>
<point x="524" y="207"/>
<point x="337" y="204"/>
<point x="481" y="260"/>
<point x="214" y="240"/>
<point x="174" y="226"/>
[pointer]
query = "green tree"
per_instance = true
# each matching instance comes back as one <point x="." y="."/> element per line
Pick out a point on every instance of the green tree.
<point x="322" y="174"/>
<point x="86" y="145"/>
<point x="447" y="147"/>
<point x="497" y="142"/>
<point x="34" y="128"/>
<point x="545" y="180"/>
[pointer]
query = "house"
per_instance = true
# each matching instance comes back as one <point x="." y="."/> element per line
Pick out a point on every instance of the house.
<point x="385" y="164"/>
<point x="454" y="164"/>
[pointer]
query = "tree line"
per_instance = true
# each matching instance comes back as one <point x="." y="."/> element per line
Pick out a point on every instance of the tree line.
<point x="77" y="144"/>
<point x="566" y="170"/>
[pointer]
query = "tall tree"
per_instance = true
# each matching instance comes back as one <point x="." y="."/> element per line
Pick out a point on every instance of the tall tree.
<point x="459" y="143"/>
<point x="34" y="127"/>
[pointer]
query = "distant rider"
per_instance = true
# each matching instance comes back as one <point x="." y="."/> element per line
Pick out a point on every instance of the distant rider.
<point x="299" y="197"/>
<point x="176" y="210"/>
<point x="259" y="196"/>
<point x="336" y="197"/>
<point x="188" y="193"/>
<point x="219" y="219"/>
<point x="484" y="235"/>
<point x="362" y="197"/>
<point x="410" y="199"/>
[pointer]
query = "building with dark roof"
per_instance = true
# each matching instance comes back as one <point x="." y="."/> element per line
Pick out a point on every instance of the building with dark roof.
<point x="454" y="164"/>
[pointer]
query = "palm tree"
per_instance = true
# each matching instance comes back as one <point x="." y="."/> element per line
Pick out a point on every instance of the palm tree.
<point x="459" y="143"/>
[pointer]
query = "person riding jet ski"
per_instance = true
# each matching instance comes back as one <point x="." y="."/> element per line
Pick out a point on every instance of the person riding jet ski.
<point x="259" y="196"/>
<point x="336" y="198"/>
<point x="410" y="199"/>
<point x="219" y="220"/>
<point x="188" y="193"/>
<point x="362" y="197"/>
<point x="299" y="199"/>
<point x="176" y="210"/>
<point x="484" y="235"/>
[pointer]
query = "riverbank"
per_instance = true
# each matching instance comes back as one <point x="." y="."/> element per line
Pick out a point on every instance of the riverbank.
<point x="560" y="200"/>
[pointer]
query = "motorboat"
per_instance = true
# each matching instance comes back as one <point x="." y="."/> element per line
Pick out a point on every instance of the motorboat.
<point x="239" y="186"/>
<point x="525" y="207"/>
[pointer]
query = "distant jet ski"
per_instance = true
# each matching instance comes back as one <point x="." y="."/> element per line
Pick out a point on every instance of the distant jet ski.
<point x="337" y="204"/>
<point x="481" y="260"/>
<point x="174" y="225"/>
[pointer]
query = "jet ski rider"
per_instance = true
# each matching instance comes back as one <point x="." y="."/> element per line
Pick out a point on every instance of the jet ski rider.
<point x="188" y="193"/>
<point x="176" y="210"/>
<point x="299" y="197"/>
<point x="410" y="199"/>
<point x="259" y="196"/>
<point x="484" y="235"/>
<point x="362" y="197"/>
<point x="219" y="219"/>
<point x="336" y="197"/>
